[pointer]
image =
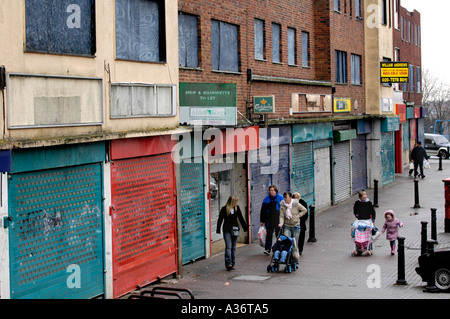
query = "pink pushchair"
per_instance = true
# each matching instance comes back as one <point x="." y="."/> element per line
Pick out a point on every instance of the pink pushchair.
<point x="362" y="237"/>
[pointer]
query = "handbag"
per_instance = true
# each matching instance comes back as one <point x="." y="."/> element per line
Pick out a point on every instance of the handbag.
<point x="235" y="231"/>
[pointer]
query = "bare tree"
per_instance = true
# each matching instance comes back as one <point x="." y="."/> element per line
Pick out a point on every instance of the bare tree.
<point x="435" y="96"/>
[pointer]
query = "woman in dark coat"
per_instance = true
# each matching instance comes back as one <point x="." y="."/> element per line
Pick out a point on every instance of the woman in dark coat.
<point x="363" y="208"/>
<point x="229" y="215"/>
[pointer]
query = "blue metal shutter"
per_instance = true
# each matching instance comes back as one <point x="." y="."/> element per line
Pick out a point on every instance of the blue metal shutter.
<point x="192" y="210"/>
<point x="259" y="186"/>
<point x="387" y="158"/>
<point x="57" y="222"/>
<point x="359" y="164"/>
<point x="282" y="177"/>
<point x="303" y="171"/>
<point x="342" y="183"/>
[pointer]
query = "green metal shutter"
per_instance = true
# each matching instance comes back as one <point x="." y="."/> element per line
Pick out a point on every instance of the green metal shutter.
<point x="57" y="222"/>
<point x="192" y="210"/>
<point x="387" y="158"/>
<point x="303" y="171"/>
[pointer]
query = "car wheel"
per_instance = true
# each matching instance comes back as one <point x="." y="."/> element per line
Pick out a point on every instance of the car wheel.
<point x="442" y="278"/>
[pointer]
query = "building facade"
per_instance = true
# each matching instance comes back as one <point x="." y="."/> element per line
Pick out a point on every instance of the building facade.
<point x="128" y="124"/>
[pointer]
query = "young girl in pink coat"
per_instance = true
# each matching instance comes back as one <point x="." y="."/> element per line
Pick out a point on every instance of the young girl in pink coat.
<point x="391" y="226"/>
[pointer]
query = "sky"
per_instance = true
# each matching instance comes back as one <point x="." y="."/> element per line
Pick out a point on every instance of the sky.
<point x="435" y="43"/>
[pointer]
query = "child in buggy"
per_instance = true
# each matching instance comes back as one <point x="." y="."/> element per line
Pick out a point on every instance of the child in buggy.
<point x="362" y="235"/>
<point x="282" y="254"/>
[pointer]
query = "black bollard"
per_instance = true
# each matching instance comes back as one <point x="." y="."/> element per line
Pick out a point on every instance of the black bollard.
<point x="416" y="194"/>
<point x="440" y="163"/>
<point x="423" y="246"/>
<point x="312" y="230"/>
<point x="433" y="224"/>
<point x="375" y="193"/>
<point x="401" y="261"/>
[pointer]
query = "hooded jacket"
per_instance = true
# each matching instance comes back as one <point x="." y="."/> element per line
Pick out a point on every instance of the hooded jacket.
<point x="391" y="227"/>
<point x="270" y="210"/>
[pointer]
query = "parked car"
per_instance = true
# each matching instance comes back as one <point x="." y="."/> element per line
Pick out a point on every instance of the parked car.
<point x="437" y="143"/>
<point x="435" y="266"/>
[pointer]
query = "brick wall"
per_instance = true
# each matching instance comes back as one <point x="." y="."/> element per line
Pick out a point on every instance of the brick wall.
<point x="327" y="30"/>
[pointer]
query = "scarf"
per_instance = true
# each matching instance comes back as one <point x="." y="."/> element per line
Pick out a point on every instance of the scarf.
<point x="288" y="209"/>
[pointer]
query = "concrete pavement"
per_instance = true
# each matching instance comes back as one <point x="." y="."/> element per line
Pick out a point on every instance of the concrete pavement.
<point x="327" y="270"/>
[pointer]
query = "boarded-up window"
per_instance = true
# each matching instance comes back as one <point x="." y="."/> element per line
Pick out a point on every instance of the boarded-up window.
<point x="224" y="46"/>
<point x="60" y="26"/>
<point x="139" y="100"/>
<point x="305" y="49"/>
<point x="140" y="30"/>
<point x="341" y="66"/>
<point x="188" y="40"/>
<point x="276" y="43"/>
<point x="259" y="39"/>
<point x="292" y="59"/>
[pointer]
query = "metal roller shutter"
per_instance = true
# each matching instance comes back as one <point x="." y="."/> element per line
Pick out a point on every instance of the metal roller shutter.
<point x="143" y="221"/>
<point x="303" y="171"/>
<point x="56" y="237"/>
<point x="282" y="176"/>
<point x="387" y="158"/>
<point x="192" y="210"/>
<point x="359" y="164"/>
<point x="342" y="186"/>
<point x="259" y="188"/>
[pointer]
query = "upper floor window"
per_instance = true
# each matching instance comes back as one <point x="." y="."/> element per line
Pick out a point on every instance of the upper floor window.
<point x="188" y="40"/>
<point x="259" y="39"/>
<point x="276" y="43"/>
<point x="60" y="27"/>
<point x="356" y="69"/>
<point x="224" y="46"/>
<point x="340" y="62"/>
<point x="337" y="5"/>
<point x="140" y="30"/>
<point x="305" y="49"/>
<point x="292" y="46"/>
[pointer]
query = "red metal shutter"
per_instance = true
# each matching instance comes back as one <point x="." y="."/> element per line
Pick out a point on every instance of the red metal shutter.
<point x="143" y="221"/>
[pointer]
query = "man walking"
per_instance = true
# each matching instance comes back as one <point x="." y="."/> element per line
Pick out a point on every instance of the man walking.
<point x="418" y="154"/>
<point x="270" y="215"/>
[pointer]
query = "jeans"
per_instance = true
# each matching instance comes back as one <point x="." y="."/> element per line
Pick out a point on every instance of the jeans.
<point x="230" y="248"/>
<point x="276" y="255"/>
<point x="291" y="231"/>
<point x="418" y="165"/>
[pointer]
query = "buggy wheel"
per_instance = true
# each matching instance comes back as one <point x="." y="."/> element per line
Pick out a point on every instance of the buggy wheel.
<point x="442" y="278"/>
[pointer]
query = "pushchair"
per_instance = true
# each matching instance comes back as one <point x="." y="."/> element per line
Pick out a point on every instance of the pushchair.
<point x="282" y="253"/>
<point x="362" y="237"/>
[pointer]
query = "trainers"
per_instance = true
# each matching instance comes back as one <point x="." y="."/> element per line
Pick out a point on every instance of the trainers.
<point x="267" y="252"/>
<point x="423" y="176"/>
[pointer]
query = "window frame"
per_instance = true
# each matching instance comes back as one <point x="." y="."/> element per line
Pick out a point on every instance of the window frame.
<point x="339" y="57"/>
<point x="238" y="66"/>
<point x="162" y="42"/>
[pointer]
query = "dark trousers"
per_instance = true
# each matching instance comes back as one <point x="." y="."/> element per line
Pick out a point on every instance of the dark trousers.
<point x="301" y="237"/>
<point x="420" y="165"/>
<point x="270" y="230"/>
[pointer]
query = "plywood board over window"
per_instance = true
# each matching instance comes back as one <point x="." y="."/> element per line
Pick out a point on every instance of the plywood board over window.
<point x="46" y="101"/>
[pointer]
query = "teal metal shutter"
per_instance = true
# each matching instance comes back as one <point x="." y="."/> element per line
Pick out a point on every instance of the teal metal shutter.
<point x="342" y="183"/>
<point x="387" y="158"/>
<point x="192" y="210"/>
<point x="303" y="171"/>
<point x="56" y="235"/>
